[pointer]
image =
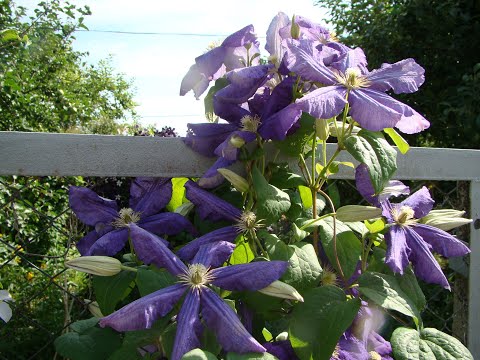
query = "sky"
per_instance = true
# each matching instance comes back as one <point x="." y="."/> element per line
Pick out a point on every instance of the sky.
<point x="157" y="63"/>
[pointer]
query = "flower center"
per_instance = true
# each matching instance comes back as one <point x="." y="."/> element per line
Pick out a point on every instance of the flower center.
<point x="250" y="123"/>
<point x="374" y="355"/>
<point x="352" y="79"/>
<point x="197" y="275"/>
<point x="247" y="222"/>
<point x="125" y="217"/>
<point x="404" y="215"/>
<point x="336" y="352"/>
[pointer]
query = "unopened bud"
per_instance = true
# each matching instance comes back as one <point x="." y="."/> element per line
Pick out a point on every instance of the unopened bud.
<point x="281" y="290"/>
<point x="295" y="29"/>
<point x="282" y="336"/>
<point x="322" y="129"/>
<point x="445" y="219"/>
<point x="94" y="308"/>
<point x="350" y="213"/>
<point x="236" y="180"/>
<point x="184" y="209"/>
<point x="237" y="141"/>
<point x="96" y="265"/>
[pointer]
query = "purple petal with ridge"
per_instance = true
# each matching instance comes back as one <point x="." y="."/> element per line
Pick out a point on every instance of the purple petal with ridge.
<point x="412" y="122"/>
<point x="189" y="327"/>
<point x="304" y="59"/>
<point x="354" y="58"/>
<point x="228" y="233"/>
<point x="230" y="152"/>
<point x="281" y="97"/>
<point x="398" y="249"/>
<point x="151" y="250"/>
<point x="142" y="313"/>
<point x="194" y="80"/>
<point x="209" y="63"/>
<point x="204" y="138"/>
<point x="420" y="201"/>
<point x="150" y="195"/>
<point x="374" y="110"/>
<point x="424" y="264"/>
<point x="281" y="349"/>
<point x="364" y="185"/>
<point x="277" y="126"/>
<point x="441" y="241"/>
<point x="241" y="37"/>
<point x="85" y="243"/>
<point x="214" y="254"/>
<point x="210" y="206"/>
<point x="212" y="178"/>
<point x="404" y="76"/>
<point x="324" y="103"/>
<point x="252" y="276"/>
<point x="110" y="243"/>
<point x="375" y="342"/>
<point x="166" y="224"/>
<point x="230" y="332"/>
<point x="274" y="40"/>
<point x="91" y="208"/>
<point x="233" y="113"/>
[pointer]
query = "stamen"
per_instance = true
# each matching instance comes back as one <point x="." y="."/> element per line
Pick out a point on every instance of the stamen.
<point x="404" y="215"/>
<point x="197" y="275"/>
<point x="125" y="217"/>
<point x="248" y="221"/>
<point x="250" y="123"/>
<point x="352" y="79"/>
<point x="374" y="355"/>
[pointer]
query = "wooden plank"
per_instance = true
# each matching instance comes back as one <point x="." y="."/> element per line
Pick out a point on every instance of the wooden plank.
<point x="474" y="272"/>
<point x="100" y="155"/>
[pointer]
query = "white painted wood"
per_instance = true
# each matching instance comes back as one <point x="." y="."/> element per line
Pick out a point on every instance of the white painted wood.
<point x="474" y="277"/>
<point x="100" y="155"/>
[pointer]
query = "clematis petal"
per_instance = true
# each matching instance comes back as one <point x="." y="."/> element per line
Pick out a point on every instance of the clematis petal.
<point x="252" y="276"/>
<point x="241" y="37"/>
<point x="277" y="126"/>
<point x="194" y="80"/>
<point x="374" y="110"/>
<point x="209" y="63"/>
<point x="351" y="348"/>
<point x="324" y="103"/>
<point x="5" y="295"/>
<point x="353" y="58"/>
<point x="281" y="97"/>
<point x="230" y="332"/>
<point x="85" y="243"/>
<point x="214" y="254"/>
<point x="412" y="122"/>
<point x="274" y="40"/>
<point x="424" y="264"/>
<point x="212" y="178"/>
<point x="109" y="244"/>
<point x="375" y="342"/>
<point x="233" y="113"/>
<point x="228" y="233"/>
<point x="405" y="76"/>
<point x="150" y="195"/>
<point x="142" y="313"/>
<point x="397" y="249"/>
<point x="151" y="250"/>
<point x="420" y="201"/>
<point x="210" y="206"/>
<point x="281" y="349"/>
<point x="226" y="148"/>
<point x="166" y="224"/>
<point x="441" y="241"/>
<point x="5" y="311"/>
<point x="189" y="327"/>
<point x="91" y="208"/>
<point x="204" y="138"/>
<point x="304" y="59"/>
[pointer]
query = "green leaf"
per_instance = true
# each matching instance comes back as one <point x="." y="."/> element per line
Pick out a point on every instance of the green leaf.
<point x="304" y="270"/>
<point x="110" y="290"/>
<point x="178" y="194"/>
<point x="306" y="196"/>
<point x="250" y="356"/>
<point x="9" y="35"/>
<point x="375" y="226"/>
<point x="267" y="334"/>
<point x="151" y="279"/>
<point x="83" y="325"/>
<point x="271" y="201"/>
<point x="282" y="178"/>
<point x="92" y="344"/>
<point x="349" y="248"/>
<point x="297" y="234"/>
<point x="428" y="344"/>
<point x="387" y="292"/>
<point x="398" y="140"/>
<point x="317" y="324"/>
<point x="198" y="354"/>
<point x="409" y="284"/>
<point x="208" y="101"/>
<point x="294" y="143"/>
<point x="371" y="149"/>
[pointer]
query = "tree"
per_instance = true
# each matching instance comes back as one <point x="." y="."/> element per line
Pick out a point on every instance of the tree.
<point x="442" y="36"/>
<point x="45" y="84"/>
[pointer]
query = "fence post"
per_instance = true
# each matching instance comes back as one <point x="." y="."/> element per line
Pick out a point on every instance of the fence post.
<point x="474" y="282"/>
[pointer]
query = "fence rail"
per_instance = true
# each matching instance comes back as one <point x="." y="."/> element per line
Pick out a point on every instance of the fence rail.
<point x="43" y="154"/>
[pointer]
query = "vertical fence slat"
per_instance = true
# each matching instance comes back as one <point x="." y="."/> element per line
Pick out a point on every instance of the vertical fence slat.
<point x="474" y="283"/>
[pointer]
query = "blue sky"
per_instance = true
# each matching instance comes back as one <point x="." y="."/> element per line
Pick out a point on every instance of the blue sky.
<point x="157" y="63"/>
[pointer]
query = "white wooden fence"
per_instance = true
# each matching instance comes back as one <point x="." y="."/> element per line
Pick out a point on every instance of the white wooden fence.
<point x="42" y="154"/>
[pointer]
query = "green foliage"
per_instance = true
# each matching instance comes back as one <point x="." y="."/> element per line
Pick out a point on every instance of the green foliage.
<point x="110" y="290"/>
<point x="442" y="36"/>
<point x="46" y="85"/>
<point x="197" y="354"/>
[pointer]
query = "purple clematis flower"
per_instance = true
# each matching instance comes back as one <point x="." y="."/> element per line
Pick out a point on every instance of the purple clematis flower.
<point x="231" y="54"/>
<point x="193" y="282"/>
<point x="147" y="197"/>
<point x="410" y="241"/>
<point x="348" y="79"/>
<point x="281" y="349"/>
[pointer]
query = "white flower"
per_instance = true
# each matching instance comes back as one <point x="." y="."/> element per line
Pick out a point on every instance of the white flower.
<point x="5" y="311"/>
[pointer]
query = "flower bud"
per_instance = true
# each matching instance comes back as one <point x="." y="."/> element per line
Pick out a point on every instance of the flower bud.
<point x="282" y="336"/>
<point x="281" y="290"/>
<point x="357" y="213"/>
<point x="295" y="29"/>
<point x="236" y="180"/>
<point x="237" y="141"/>
<point x="96" y="265"/>
<point x="322" y="129"/>
<point x="185" y="208"/>
<point x="445" y="219"/>
<point x="94" y="308"/>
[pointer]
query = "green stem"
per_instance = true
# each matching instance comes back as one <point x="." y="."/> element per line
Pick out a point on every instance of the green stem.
<point x="303" y="165"/>
<point x="128" y="268"/>
<point x="258" y="243"/>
